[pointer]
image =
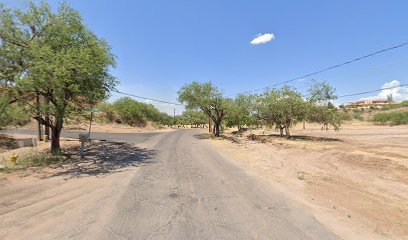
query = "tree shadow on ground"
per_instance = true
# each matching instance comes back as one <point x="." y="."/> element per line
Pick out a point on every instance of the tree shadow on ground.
<point x="296" y="137"/>
<point x="204" y="136"/>
<point x="103" y="158"/>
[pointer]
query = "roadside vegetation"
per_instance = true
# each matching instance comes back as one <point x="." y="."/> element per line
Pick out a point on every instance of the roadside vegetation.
<point x="279" y="108"/>
<point x="133" y="113"/>
<point x="51" y="66"/>
<point x="33" y="160"/>
<point x="393" y="118"/>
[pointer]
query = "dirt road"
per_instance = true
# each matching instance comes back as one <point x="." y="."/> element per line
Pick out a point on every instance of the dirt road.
<point x="183" y="189"/>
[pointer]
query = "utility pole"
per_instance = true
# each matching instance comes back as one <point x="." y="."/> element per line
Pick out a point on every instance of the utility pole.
<point x="90" y="126"/>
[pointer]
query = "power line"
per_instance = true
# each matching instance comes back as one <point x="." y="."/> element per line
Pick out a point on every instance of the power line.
<point x="146" y="98"/>
<point x="361" y="93"/>
<point x="332" y="67"/>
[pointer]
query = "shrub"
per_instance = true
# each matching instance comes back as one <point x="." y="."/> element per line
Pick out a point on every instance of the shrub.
<point x="344" y="116"/>
<point x="381" y="118"/>
<point x="394" y="118"/>
<point x="358" y="116"/>
<point x="404" y="104"/>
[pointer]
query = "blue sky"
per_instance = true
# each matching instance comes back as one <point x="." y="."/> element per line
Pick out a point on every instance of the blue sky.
<point x="161" y="45"/>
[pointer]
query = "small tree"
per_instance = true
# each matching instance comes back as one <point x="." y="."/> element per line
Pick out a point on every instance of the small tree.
<point x="207" y="98"/>
<point x="320" y="109"/>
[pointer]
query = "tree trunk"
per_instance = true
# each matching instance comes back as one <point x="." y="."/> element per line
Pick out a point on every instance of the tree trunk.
<point x="281" y="130"/>
<point x="47" y="119"/>
<point x="217" y="129"/>
<point x="287" y="131"/>
<point x="37" y="106"/>
<point x="55" y="139"/>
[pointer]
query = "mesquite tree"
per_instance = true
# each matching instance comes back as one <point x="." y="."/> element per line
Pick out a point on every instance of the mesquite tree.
<point x="241" y="111"/>
<point x="282" y="108"/>
<point x="66" y="65"/>
<point x="320" y="109"/>
<point x="207" y="98"/>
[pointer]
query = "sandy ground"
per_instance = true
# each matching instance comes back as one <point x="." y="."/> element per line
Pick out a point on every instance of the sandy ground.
<point x="355" y="181"/>
<point x="63" y="200"/>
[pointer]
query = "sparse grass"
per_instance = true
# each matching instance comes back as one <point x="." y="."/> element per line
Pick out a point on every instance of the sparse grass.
<point x="358" y="116"/>
<point x="34" y="160"/>
<point x="301" y="175"/>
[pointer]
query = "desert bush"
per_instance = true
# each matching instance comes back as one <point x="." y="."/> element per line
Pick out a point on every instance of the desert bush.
<point x="130" y="112"/>
<point x="404" y="104"/>
<point x="394" y="118"/>
<point x="381" y="118"/>
<point x="358" y="116"/>
<point x="344" y="116"/>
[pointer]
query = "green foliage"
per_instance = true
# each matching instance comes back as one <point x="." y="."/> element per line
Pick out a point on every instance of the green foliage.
<point x="321" y="93"/>
<point x="394" y="118"/>
<point x="326" y="116"/>
<point x="320" y="109"/>
<point x="192" y="117"/>
<point x="12" y="114"/>
<point x="240" y="112"/>
<point x="131" y="112"/>
<point x="54" y="57"/>
<point x="344" y="116"/>
<point x="404" y="104"/>
<point x="108" y="113"/>
<point x="381" y="118"/>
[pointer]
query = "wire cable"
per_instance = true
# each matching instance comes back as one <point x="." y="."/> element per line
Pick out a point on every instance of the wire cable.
<point x="332" y="67"/>
<point x="146" y="98"/>
<point x="361" y="93"/>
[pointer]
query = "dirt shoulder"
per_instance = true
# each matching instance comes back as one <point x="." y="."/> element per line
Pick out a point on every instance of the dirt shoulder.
<point x="70" y="198"/>
<point x="355" y="181"/>
<point x="105" y="128"/>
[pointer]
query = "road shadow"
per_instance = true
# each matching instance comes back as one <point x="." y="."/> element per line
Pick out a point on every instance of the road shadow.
<point x="103" y="158"/>
<point x="201" y="136"/>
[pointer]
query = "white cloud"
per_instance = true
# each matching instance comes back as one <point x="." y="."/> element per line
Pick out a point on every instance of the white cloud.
<point x="262" y="38"/>
<point x="399" y="94"/>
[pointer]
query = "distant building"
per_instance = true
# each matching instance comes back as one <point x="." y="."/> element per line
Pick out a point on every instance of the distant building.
<point x="370" y="104"/>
